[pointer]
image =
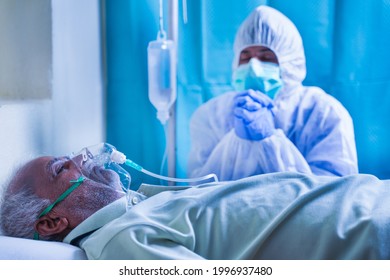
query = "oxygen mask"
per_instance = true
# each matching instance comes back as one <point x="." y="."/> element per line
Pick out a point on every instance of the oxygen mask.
<point x="96" y="164"/>
<point x="103" y="159"/>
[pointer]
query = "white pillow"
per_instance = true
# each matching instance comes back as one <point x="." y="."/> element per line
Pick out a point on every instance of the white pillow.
<point x="12" y="248"/>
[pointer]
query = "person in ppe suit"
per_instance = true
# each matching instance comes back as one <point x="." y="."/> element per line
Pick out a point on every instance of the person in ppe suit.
<point x="271" y="122"/>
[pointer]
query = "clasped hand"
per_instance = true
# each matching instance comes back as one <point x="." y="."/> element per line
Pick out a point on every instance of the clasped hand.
<point x="253" y="118"/>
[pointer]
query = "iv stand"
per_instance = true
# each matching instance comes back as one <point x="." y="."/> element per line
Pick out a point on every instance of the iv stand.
<point x="171" y="125"/>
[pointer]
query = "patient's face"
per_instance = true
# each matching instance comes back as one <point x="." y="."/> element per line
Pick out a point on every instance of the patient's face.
<point x="50" y="177"/>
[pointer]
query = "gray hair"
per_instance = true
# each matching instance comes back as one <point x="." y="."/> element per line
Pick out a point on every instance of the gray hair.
<point x="19" y="211"/>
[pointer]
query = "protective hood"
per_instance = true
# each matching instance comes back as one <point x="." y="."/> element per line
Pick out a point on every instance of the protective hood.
<point x="268" y="27"/>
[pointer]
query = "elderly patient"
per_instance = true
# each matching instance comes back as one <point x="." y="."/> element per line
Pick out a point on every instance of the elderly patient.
<point x="270" y="216"/>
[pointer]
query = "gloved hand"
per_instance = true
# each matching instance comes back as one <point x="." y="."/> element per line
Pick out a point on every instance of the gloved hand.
<point x="253" y="118"/>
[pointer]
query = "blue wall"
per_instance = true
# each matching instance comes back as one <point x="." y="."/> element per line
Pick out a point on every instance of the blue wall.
<point x="346" y="45"/>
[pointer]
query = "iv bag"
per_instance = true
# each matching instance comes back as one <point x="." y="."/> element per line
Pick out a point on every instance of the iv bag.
<point x="162" y="76"/>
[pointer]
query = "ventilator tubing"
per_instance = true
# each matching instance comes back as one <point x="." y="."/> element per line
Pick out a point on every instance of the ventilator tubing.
<point x="120" y="158"/>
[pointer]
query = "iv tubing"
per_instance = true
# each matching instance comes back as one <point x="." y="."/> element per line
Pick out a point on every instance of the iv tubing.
<point x="120" y="158"/>
<point x="179" y="180"/>
<point x="185" y="17"/>
<point x="165" y="156"/>
<point x="161" y="33"/>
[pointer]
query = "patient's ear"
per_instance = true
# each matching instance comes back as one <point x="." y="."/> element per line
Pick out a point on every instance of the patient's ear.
<point x="50" y="225"/>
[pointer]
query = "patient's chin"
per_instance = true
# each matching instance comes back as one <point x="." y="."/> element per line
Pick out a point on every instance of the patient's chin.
<point x="100" y="198"/>
<point x="95" y="195"/>
<point x="104" y="176"/>
<point x="109" y="193"/>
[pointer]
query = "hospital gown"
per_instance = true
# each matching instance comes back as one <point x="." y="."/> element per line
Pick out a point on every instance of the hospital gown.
<point x="314" y="132"/>
<point x="272" y="216"/>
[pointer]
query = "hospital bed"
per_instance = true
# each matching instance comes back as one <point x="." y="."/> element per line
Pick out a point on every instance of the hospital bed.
<point x="12" y="248"/>
<point x="301" y="217"/>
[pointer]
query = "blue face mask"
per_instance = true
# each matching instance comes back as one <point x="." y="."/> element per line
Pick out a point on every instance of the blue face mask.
<point x="258" y="75"/>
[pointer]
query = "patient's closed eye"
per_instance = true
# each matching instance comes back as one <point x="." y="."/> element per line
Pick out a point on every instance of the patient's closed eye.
<point x="59" y="168"/>
<point x="60" y="165"/>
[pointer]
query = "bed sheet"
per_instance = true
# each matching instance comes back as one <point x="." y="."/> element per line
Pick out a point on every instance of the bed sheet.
<point x="12" y="248"/>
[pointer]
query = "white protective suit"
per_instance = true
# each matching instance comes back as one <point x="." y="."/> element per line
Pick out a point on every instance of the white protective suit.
<point x="314" y="132"/>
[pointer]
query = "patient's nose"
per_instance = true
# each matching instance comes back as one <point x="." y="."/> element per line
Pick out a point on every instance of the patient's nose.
<point x="78" y="160"/>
